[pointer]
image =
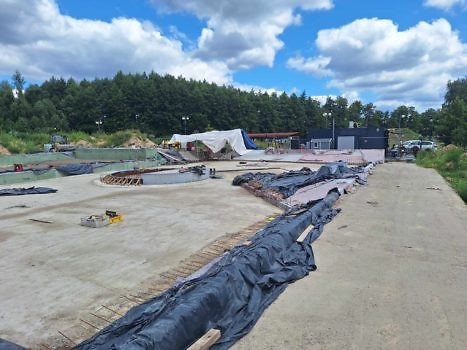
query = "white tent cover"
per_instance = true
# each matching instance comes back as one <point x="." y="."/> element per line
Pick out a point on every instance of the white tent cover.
<point x="215" y="140"/>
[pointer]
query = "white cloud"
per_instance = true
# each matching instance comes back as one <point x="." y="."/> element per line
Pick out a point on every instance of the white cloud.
<point x="444" y="4"/>
<point x="257" y="89"/>
<point x="315" y="66"/>
<point x="243" y="33"/>
<point x="323" y="98"/>
<point x="372" y="55"/>
<point x="40" y="41"/>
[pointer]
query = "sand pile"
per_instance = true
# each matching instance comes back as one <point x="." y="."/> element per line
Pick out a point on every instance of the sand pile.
<point x="138" y="142"/>
<point x="4" y="151"/>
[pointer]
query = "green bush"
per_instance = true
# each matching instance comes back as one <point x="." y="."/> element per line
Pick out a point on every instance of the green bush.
<point x="461" y="188"/>
<point x="451" y="163"/>
<point x="75" y="136"/>
<point x="23" y="142"/>
<point x="118" y="138"/>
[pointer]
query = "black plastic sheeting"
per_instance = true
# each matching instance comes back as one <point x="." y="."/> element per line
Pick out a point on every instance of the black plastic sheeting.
<point x="6" y="345"/>
<point x="230" y="296"/>
<point x="22" y="191"/>
<point x="76" y="169"/>
<point x="289" y="182"/>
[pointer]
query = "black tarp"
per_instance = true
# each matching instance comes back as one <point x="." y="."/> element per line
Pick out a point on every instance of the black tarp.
<point x="289" y="182"/>
<point x="23" y="191"/>
<point x="6" y="345"/>
<point x="230" y="296"/>
<point x="75" y="169"/>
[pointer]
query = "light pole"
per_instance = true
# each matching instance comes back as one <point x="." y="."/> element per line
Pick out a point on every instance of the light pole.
<point x="136" y="120"/>
<point x="431" y="129"/>
<point x="400" y="119"/>
<point x="326" y="115"/>
<point x="400" y="134"/>
<point x="185" y="118"/>
<point x="99" y="123"/>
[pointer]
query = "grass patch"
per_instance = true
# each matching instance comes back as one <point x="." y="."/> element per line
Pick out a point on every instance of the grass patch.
<point x="75" y="136"/>
<point x="23" y="142"/>
<point x="117" y="138"/>
<point x="406" y="134"/>
<point x="20" y="142"/>
<point x="451" y="163"/>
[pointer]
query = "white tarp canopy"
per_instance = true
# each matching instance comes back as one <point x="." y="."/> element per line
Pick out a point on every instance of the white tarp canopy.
<point x="215" y="140"/>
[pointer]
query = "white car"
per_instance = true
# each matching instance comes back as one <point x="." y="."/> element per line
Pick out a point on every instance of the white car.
<point x="414" y="145"/>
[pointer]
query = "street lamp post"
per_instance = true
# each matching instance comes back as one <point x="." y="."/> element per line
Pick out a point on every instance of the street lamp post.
<point x="431" y="129"/>
<point x="326" y="115"/>
<point x="99" y="123"/>
<point x="400" y="134"/>
<point x="400" y="119"/>
<point x="136" y="120"/>
<point x="185" y="118"/>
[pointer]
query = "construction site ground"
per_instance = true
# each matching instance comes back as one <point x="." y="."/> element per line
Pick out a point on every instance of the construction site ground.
<point x="392" y="272"/>
<point x="60" y="281"/>
<point x="392" y="266"/>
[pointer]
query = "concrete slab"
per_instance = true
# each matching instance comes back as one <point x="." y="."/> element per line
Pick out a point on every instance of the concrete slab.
<point x="260" y="155"/>
<point x="392" y="272"/>
<point x="54" y="274"/>
<point x="357" y="157"/>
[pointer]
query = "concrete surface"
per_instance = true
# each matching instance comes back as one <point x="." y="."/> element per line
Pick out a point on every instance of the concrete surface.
<point x="54" y="274"/>
<point x="392" y="273"/>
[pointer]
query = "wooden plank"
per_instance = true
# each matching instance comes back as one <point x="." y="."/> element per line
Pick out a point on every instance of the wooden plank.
<point x="207" y="340"/>
<point x="67" y="338"/>
<point x="41" y="221"/>
<point x="302" y="237"/>
<point x="196" y="263"/>
<point x="169" y="275"/>
<point x="112" y="310"/>
<point x="209" y="255"/>
<point x="100" y="317"/>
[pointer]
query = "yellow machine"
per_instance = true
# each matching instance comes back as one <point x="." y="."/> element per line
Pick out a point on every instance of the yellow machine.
<point x="114" y="217"/>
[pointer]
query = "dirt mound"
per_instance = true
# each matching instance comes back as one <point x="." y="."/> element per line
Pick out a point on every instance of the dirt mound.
<point x="4" y="151"/>
<point x="138" y="142"/>
<point x="449" y="147"/>
<point x="83" y="143"/>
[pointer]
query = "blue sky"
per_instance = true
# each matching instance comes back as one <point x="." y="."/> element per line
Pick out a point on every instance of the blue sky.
<point x="386" y="52"/>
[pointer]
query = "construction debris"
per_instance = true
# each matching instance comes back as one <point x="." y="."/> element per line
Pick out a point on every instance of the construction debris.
<point x="231" y="295"/>
<point x="42" y="221"/>
<point x="24" y="191"/>
<point x="97" y="221"/>
<point x="208" y="339"/>
<point x="302" y="186"/>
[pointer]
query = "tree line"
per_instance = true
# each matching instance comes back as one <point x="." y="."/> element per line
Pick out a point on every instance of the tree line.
<point x="155" y="104"/>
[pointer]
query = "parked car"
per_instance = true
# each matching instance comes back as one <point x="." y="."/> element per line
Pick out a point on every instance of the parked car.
<point x="415" y="146"/>
<point x="408" y="142"/>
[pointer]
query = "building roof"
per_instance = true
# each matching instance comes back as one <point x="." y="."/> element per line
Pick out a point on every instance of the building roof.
<point x="273" y="134"/>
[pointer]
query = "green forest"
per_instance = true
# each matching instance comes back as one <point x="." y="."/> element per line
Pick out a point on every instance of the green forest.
<point x="155" y="105"/>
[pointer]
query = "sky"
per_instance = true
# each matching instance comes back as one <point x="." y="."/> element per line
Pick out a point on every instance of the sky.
<point x="390" y="53"/>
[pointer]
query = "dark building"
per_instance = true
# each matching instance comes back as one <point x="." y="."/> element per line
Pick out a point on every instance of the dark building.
<point x="349" y="138"/>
